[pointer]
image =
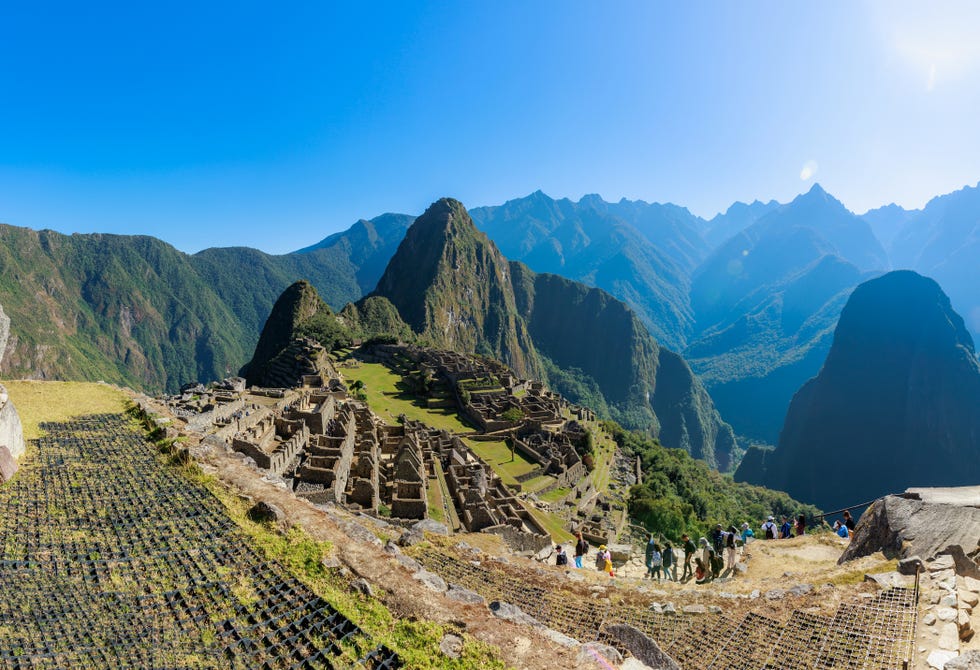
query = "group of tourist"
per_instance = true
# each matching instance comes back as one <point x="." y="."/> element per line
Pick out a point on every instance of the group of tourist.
<point x="712" y="556"/>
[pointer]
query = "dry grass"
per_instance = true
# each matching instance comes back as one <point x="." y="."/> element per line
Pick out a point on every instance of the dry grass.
<point x="39" y="402"/>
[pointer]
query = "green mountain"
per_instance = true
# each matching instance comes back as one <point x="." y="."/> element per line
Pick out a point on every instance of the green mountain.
<point x="896" y="404"/>
<point x="454" y="289"/>
<point x="133" y="310"/>
<point x="639" y="252"/>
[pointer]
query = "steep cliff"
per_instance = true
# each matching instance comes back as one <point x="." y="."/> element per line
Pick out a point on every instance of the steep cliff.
<point x="896" y="404"/>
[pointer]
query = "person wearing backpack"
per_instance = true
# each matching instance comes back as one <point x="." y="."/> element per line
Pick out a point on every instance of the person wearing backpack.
<point x="769" y="529"/>
<point x="656" y="561"/>
<point x="689" y="549"/>
<point x="785" y="530"/>
<point x="718" y="539"/>
<point x="648" y="554"/>
<point x="670" y="564"/>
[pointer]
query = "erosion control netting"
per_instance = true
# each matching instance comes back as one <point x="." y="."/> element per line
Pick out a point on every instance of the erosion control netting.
<point x="109" y="558"/>
<point x="875" y="634"/>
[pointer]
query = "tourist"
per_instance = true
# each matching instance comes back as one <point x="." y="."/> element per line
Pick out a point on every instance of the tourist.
<point x="786" y="529"/>
<point x="581" y="549"/>
<point x="730" y="557"/>
<point x="848" y="521"/>
<point x="700" y="574"/>
<point x="801" y="525"/>
<point x="670" y="563"/>
<point x="841" y="530"/>
<point x="648" y="554"/>
<point x="600" y="558"/>
<point x="705" y="548"/>
<point x="656" y="561"/>
<point x="607" y="565"/>
<point x="746" y="532"/>
<point x="716" y="563"/>
<point x="689" y="549"/>
<point x="718" y="538"/>
<point x="769" y="529"/>
<point x="562" y="557"/>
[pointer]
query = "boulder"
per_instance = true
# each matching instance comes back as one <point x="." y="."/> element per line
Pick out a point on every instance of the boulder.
<point x="430" y="526"/>
<point x="940" y="659"/>
<point x="969" y="660"/>
<point x="621" y="553"/>
<point x="910" y="565"/>
<point x="592" y="654"/>
<point x="888" y="580"/>
<point x="266" y="512"/>
<point x="949" y="637"/>
<point x="451" y="645"/>
<point x="361" y="586"/>
<point x="642" y="647"/>
<point x="459" y="594"/>
<point x="431" y="581"/>
<point x="508" y="612"/>
<point x="919" y="522"/>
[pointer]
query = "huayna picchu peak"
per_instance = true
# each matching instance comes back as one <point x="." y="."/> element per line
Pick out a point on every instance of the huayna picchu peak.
<point x="896" y="404"/>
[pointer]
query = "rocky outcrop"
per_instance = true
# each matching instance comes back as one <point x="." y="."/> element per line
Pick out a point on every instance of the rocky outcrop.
<point x="896" y="404"/>
<point x="11" y="431"/>
<point x="922" y="522"/>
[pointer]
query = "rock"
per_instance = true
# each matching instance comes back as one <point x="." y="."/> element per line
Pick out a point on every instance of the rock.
<point x="430" y="526"/>
<point x="451" y="645"/>
<point x="358" y="532"/>
<point x="544" y="554"/>
<point x="508" y="612"/>
<point x="888" y="580"/>
<point x="948" y="600"/>
<point x="266" y="512"/>
<point x="714" y="609"/>
<point x="949" y="637"/>
<point x="754" y="595"/>
<point x="775" y="594"/>
<point x="919" y="522"/>
<point x="946" y="614"/>
<point x="670" y="609"/>
<point x="361" y="586"/>
<point x="560" y="638"/>
<point x="431" y="580"/>
<point x="408" y="562"/>
<point x="621" y="553"/>
<point x="801" y="589"/>
<point x="972" y="584"/>
<point x="941" y="562"/>
<point x="459" y="594"/>
<point x="642" y="647"/>
<point x="634" y="664"/>
<point x="929" y="619"/>
<point x="940" y="659"/>
<point x="331" y="563"/>
<point x="411" y="537"/>
<point x="969" y="660"/>
<point x="963" y="620"/>
<point x="694" y="609"/>
<point x="392" y="548"/>
<point x="8" y="464"/>
<point x="594" y="653"/>
<point x="968" y="598"/>
<point x="909" y="566"/>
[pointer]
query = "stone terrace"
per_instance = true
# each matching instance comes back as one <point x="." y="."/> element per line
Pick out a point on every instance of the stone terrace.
<point x="109" y="559"/>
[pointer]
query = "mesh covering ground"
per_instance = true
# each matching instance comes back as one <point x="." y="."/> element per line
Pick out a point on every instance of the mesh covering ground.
<point x="109" y="558"/>
<point x="869" y="634"/>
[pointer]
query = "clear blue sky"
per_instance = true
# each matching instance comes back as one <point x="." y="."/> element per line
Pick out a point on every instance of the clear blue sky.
<point x="272" y="125"/>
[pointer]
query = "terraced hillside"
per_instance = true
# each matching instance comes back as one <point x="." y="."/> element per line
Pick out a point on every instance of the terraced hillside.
<point x="112" y="559"/>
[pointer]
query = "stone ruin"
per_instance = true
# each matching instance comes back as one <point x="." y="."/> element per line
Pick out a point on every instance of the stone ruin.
<point x="11" y="431"/>
<point x="331" y="449"/>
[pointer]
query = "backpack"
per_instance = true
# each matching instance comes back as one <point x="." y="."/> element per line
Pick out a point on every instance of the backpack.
<point x="770" y="533"/>
<point x="562" y="559"/>
<point x="730" y="541"/>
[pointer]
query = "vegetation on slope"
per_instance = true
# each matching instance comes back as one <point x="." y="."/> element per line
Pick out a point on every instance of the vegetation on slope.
<point x="680" y="494"/>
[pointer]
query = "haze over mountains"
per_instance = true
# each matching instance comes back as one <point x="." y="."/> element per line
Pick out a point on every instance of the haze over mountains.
<point x="750" y="298"/>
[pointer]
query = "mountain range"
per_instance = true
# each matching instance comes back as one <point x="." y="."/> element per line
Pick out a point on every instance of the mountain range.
<point x="749" y="298"/>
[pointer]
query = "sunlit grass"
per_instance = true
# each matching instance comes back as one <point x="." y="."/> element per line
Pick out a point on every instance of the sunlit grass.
<point x="40" y="402"/>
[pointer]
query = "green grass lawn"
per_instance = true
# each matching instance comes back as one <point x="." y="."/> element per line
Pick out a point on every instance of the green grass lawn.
<point x="538" y="483"/>
<point x="39" y="402"/>
<point x="497" y="455"/>
<point x="555" y="495"/>
<point x="388" y="400"/>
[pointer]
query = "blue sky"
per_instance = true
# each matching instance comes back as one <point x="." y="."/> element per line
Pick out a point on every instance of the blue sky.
<point x="210" y="124"/>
